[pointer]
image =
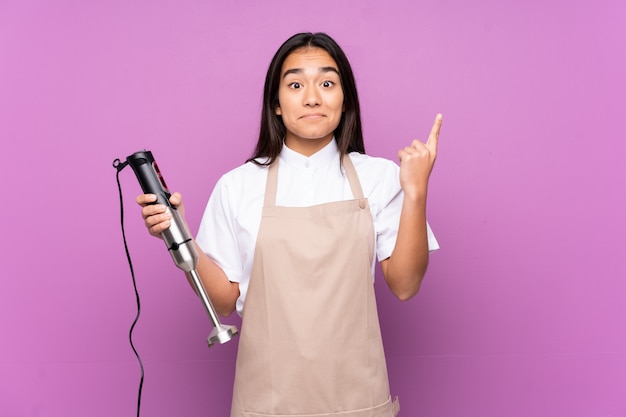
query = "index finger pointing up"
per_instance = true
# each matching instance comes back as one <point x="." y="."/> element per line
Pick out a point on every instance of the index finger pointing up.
<point x="433" y="138"/>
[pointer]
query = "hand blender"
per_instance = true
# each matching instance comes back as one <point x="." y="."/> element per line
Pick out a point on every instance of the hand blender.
<point x="177" y="238"/>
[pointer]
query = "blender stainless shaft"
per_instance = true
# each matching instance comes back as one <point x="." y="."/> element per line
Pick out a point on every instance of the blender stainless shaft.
<point x="185" y="257"/>
<point x="221" y="333"/>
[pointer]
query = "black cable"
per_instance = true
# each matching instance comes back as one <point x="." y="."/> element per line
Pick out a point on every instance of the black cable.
<point x="119" y="166"/>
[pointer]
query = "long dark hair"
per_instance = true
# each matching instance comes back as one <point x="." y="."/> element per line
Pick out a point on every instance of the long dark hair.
<point x="348" y="134"/>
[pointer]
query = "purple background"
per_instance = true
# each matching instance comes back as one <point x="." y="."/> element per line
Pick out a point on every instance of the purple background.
<point x="522" y="312"/>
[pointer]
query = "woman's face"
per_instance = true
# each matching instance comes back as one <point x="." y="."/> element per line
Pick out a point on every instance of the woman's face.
<point x="310" y="99"/>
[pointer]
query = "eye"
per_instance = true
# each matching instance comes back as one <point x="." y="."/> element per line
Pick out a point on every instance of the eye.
<point x="295" y="85"/>
<point x="327" y="84"/>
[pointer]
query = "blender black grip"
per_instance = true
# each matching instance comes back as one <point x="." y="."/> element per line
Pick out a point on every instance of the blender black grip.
<point x="177" y="237"/>
<point x="149" y="176"/>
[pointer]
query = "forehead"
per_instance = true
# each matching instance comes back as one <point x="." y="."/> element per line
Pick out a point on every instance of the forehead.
<point x="308" y="58"/>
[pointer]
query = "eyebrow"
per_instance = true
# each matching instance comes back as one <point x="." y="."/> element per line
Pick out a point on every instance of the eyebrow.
<point x="320" y="70"/>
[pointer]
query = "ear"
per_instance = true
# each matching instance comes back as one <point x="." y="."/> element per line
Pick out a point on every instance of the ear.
<point x="278" y="111"/>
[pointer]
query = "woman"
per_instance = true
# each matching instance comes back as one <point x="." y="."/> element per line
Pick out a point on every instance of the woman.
<point x="288" y="239"/>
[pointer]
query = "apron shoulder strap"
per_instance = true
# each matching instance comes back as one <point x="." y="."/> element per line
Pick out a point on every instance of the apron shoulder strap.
<point x="271" y="185"/>
<point x="353" y="178"/>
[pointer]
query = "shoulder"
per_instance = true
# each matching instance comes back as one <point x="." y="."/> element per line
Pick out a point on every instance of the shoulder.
<point x="245" y="176"/>
<point x="239" y="190"/>
<point x="364" y="161"/>
<point x="380" y="180"/>
<point x="375" y="170"/>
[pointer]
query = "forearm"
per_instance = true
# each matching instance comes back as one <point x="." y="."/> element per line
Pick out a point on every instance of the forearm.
<point x="406" y="267"/>
<point x="221" y="291"/>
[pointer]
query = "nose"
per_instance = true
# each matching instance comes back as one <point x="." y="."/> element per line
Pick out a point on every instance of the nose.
<point x="312" y="98"/>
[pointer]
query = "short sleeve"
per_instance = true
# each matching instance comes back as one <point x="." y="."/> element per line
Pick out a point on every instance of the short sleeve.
<point x="216" y="234"/>
<point x="387" y="212"/>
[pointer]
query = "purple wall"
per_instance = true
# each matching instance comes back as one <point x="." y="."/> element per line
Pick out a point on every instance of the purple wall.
<point x="522" y="313"/>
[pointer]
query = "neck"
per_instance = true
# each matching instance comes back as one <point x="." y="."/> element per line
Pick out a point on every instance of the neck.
<point x="307" y="147"/>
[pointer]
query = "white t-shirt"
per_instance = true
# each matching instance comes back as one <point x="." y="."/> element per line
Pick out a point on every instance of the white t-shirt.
<point x="231" y="220"/>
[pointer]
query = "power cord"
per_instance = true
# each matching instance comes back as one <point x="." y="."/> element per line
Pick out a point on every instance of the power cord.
<point x="119" y="165"/>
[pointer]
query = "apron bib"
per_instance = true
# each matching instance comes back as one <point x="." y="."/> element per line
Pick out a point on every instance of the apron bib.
<point x="310" y="342"/>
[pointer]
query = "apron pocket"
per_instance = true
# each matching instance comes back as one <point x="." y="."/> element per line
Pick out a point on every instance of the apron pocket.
<point x="387" y="409"/>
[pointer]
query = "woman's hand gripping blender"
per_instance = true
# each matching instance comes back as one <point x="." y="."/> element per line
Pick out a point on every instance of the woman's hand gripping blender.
<point x="163" y="215"/>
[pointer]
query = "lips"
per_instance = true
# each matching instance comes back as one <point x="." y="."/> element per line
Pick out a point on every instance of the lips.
<point x="312" y="116"/>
